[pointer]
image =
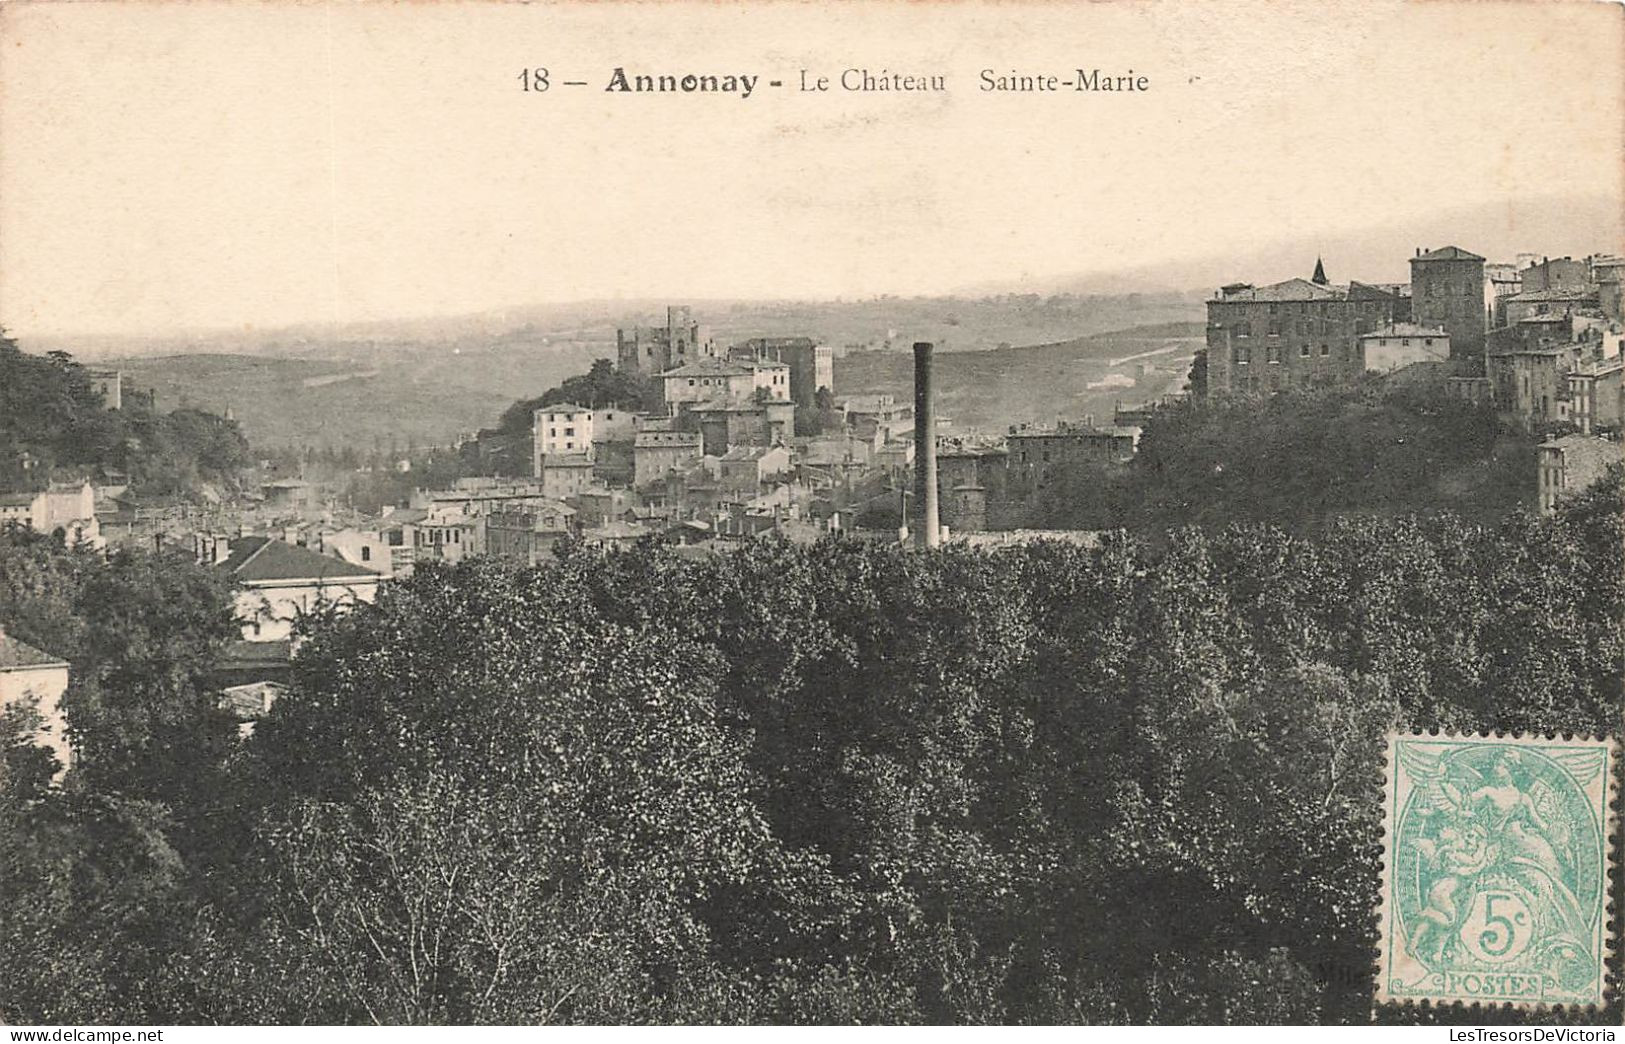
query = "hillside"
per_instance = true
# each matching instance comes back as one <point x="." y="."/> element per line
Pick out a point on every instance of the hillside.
<point x="369" y="396"/>
<point x="55" y="424"/>
<point x="369" y="387"/>
<point x="989" y="391"/>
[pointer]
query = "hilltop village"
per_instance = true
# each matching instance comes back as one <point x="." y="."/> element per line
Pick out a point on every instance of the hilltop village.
<point x="704" y="446"/>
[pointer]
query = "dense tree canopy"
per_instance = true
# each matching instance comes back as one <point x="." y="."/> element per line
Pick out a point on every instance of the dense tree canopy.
<point x="603" y="385"/>
<point x="52" y="416"/>
<point x="1131" y="783"/>
<point x="1390" y="446"/>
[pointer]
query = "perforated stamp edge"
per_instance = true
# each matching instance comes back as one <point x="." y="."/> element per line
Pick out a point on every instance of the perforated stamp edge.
<point x="1609" y="987"/>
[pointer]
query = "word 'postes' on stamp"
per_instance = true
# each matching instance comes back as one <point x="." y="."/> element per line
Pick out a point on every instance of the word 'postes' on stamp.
<point x="1496" y="862"/>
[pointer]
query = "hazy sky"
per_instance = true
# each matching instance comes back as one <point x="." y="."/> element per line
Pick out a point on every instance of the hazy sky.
<point x="200" y="165"/>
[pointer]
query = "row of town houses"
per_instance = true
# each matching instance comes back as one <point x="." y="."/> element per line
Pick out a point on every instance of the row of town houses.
<point x="722" y="461"/>
<point x="1538" y="338"/>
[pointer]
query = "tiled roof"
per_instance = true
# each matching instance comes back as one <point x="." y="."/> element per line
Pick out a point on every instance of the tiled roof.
<point x="1449" y="253"/>
<point x="1558" y="294"/>
<point x="1290" y="290"/>
<point x="250" y="702"/>
<point x="657" y="439"/>
<point x="562" y="407"/>
<point x="615" y="530"/>
<point x="747" y="453"/>
<point x="730" y="406"/>
<point x="1407" y="330"/>
<point x="260" y="559"/>
<point x="710" y="368"/>
<point x="16" y="655"/>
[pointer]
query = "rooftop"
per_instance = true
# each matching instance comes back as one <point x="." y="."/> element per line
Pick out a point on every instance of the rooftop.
<point x="261" y="559"/>
<point x="710" y="368"/>
<point x="16" y="655"/>
<point x="1557" y="294"/>
<point x="1449" y="253"/>
<point x="1407" y="330"/>
<point x="873" y="403"/>
<point x="1309" y="290"/>
<point x="250" y="702"/>
<point x="615" y="530"/>
<point x="1540" y="349"/>
<point x="656" y="439"/>
<point x="1118" y="431"/>
<point x="748" y="452"/>
<point x="1592" y="443"/>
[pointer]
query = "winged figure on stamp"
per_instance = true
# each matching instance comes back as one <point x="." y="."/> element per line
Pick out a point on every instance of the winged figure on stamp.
<point x="1495" y="827"/>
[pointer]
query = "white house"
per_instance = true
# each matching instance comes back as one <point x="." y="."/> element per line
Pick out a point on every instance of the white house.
<point x="1398" y="345"/>
<point x="29" y="675"/>
<point x="278" y="582"/>
<point x="562" y="428"/>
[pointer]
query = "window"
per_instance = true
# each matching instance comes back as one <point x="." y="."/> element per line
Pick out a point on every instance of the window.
<point x="1303" y="351"/>
<point x="366" y="554"/>
<point x="569" y="431"/>
<point x="691" y="382"/>
<point x="1244" y="355"/>
<point x="1325" y="350"/>
<point x="1404" y="342"/>
<point x="1273" y="353"/>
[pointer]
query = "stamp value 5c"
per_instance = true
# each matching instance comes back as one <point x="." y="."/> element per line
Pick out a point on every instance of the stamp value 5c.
<point x="1495" y="879"/>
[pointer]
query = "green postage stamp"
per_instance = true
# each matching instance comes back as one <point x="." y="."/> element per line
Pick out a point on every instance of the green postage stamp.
<point x="1495" y="870"/>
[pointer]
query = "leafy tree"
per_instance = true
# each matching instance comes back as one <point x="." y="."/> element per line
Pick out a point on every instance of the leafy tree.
<point x="602" y="385"/>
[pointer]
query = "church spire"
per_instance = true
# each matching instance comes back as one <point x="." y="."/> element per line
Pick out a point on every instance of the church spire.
<point x="1320" y="274"/>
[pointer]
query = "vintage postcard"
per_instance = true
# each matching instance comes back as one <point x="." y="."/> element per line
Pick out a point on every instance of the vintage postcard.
<point x="810" y="513"/>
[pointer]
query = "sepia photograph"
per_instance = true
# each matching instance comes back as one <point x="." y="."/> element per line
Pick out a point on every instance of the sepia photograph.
<point x="811" y="513"/>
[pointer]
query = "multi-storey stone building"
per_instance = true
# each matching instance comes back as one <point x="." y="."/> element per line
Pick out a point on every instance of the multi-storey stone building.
<point x="971" y="486"/>
<point x="1610" y="275"/>
<point x="722" y="380"/>
<point x="1567" y="465"/>
<point x="1265" y="338"/>
<point x="1556" y="273"/>
<point x="1449" y="289"/>
<point x="812" y="365"/>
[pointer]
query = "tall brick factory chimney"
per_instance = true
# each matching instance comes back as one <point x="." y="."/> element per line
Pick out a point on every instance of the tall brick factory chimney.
<point x="925" y="451"/>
